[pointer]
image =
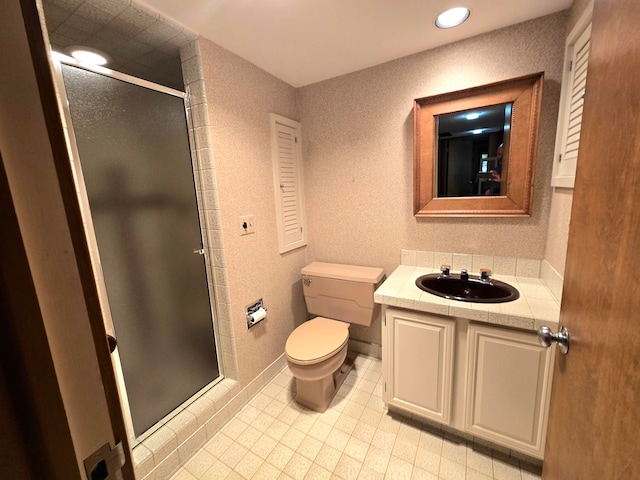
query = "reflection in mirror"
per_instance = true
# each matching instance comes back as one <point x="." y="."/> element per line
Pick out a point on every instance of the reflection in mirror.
<point x="475" y="150"/>
<point x="470" y="151"/>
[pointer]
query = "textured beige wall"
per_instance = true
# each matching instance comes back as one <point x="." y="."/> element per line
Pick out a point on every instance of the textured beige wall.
<point x="578" y="7"/>
<point x="240" y="97"/>
<point x="560" y="213"/>
<point x="358" y="151"/>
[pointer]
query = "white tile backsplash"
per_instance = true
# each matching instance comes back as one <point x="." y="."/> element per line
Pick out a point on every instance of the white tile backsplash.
<point x="441" y="258"/>
<point x="528" y="267"/>
<point x="504" y="265"/>
<point x="512" y="266"/>
<point x="462" y="261"/>
<point x="480" y="262"/>
<point x="552" y="279"/>
<point x="425" y="259"/>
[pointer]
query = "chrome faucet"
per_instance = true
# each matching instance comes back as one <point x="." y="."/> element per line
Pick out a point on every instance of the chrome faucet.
<point x="485" y="274"/>
<point x="464" y="275"/>
<point x="445" y="269"/>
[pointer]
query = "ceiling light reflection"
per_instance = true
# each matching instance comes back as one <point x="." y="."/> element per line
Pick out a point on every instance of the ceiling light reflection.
<point x="88" y="55"/>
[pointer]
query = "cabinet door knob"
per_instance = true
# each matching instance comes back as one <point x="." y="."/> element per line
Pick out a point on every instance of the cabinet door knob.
<point x="546" y="338"/>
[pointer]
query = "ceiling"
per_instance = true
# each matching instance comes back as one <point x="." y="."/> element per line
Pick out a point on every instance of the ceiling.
<point x="306" y="41"/>
<point x="300" y="42"/>
<point x="140" y="41"/>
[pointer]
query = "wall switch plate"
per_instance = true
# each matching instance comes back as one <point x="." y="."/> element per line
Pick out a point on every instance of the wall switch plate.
<point x="246" y="225"/>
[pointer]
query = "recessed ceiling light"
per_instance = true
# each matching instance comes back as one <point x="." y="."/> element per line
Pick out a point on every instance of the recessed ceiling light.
<point x="452" y="17"/>
<point x="472" y="116"/>
<point x="88" y="55"/>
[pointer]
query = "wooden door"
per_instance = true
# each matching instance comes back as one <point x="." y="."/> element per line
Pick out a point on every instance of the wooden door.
<point x="67" y="402"/>
<point x="595" y="404"/>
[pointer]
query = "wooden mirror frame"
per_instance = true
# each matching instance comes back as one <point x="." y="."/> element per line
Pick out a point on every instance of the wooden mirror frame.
<point x="521" y="144"/>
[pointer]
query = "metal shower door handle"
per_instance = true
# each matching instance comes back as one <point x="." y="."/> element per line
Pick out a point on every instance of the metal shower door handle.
<point x="546" y="338"/>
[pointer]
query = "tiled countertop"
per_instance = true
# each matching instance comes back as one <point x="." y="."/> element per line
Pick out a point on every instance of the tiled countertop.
<point x="535" y="307"/>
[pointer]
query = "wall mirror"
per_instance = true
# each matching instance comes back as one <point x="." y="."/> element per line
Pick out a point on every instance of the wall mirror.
<point x="475" y="150"/>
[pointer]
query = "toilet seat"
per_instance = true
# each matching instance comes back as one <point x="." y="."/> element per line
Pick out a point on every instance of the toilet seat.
<point x="316" y="340"/>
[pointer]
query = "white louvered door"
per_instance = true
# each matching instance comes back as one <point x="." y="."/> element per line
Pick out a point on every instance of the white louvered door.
<point x="288" y="183"/>
<point x="570" y="118"/>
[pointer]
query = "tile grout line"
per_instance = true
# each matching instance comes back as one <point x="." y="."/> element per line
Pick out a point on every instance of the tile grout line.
<point x="351" y="461"/>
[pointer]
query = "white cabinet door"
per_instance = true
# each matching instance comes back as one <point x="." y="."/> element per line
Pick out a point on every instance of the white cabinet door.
<point x="508" y="386"/>
<point x="419" y="374"/>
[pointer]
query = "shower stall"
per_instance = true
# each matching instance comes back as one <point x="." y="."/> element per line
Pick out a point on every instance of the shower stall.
<point x="133" y="162"/>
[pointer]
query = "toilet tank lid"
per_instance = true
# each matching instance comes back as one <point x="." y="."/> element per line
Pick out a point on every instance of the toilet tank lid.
<point x="353" y="273"/>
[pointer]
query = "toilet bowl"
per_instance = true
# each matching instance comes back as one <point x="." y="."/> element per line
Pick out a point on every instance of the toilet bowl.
<point x="316" y="351"/>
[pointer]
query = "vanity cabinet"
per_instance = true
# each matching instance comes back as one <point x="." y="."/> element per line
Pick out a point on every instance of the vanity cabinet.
<point x="420" y="363"/>
<point x="489" y="381"/>
<point x="507" y="388"/>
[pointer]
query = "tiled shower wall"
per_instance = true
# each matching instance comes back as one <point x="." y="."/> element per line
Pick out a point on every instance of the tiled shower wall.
<point x="209" y="209"/>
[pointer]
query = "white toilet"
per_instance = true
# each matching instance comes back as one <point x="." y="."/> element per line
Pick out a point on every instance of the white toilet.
<point x="316" y="351"/>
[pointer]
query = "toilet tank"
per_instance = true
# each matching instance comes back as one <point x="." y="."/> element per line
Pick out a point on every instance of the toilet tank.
<point x="341" y="292"/>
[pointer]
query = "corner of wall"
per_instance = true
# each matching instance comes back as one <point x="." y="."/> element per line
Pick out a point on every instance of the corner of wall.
<point x="552" y="279"/>
<point x="209" y="209"/>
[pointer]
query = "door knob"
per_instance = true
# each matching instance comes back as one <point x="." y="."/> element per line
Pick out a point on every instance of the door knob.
<point x="546" y="338"/>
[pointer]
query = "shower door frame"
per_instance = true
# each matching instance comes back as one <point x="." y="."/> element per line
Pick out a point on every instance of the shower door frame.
<point x="57" y="60"/>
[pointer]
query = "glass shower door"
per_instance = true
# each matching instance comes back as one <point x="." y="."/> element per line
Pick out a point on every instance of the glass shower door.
<point x="134" y="152"/>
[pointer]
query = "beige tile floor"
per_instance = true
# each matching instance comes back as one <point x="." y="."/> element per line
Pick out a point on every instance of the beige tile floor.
<point x="272" y="437"/>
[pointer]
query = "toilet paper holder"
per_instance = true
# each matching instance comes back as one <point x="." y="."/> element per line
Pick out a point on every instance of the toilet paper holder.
<point x="256" y="312"/>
